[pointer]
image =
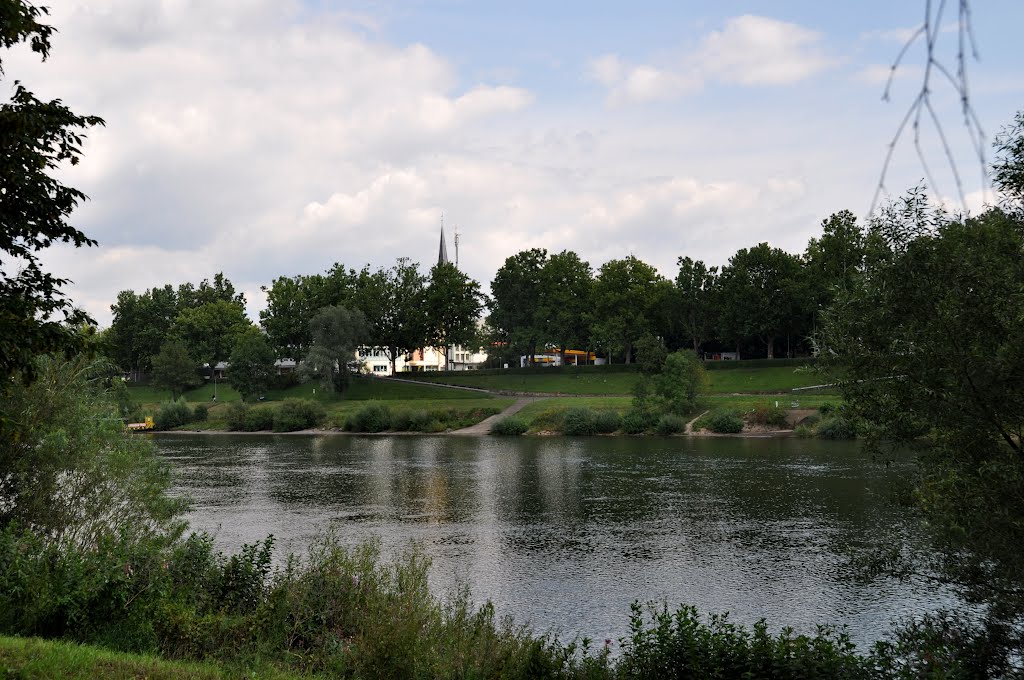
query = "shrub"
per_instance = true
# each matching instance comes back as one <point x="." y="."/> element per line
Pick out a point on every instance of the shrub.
<point x="235" y="417"/>
<point x="837" y="427"/>
<point x="607" y="422"/>
<point x="259" y="419"/>
<point x="370" y="418"/>
<point x="681" y="645"/>
<point x="670" y="423"/>
<point x="200" y="413"/>
<point x="771" y="416"/>
<point x="510" y="426"/>
<point x="172" y="414"/>
<point x="723" y="422"/>
<point x="826" y="408"/>
<point x="579" y="422"/>
<point x="298" y="414"/>
<point x="804" y="431"/>
<point x="682" y="378"/>
<point x="636" y="422"/>
<point x="420" y="421"/>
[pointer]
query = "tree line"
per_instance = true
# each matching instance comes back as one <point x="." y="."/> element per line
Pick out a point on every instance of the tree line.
<point x="763" y="302"/>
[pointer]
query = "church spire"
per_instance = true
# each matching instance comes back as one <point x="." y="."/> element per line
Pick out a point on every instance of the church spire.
<point x="442" y="253"/>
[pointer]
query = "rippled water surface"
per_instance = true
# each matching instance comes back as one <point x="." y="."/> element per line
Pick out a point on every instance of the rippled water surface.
<point x="564" y="533"/>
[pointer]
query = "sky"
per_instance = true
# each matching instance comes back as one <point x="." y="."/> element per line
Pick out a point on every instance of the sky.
<point x="267" y="138"/>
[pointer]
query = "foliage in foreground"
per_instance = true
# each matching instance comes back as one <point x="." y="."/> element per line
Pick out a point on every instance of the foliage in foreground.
<point x="68" y="471"/>
<point x="348" y="613"/>
<point x="929" y="346"/>
<point x="34" y="658"/>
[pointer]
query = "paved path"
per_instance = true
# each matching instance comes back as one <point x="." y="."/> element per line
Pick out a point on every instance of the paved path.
<point x="484" y="426"/>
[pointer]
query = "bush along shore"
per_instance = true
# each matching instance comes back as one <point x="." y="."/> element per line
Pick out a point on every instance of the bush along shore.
<point x="344" y="612"/>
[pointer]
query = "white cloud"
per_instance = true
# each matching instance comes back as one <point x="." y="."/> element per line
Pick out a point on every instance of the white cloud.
<point x="753" y="50"/>
<point x="897" y="35"/>
<point x="749" y="50"/>
<point x="268" y="142"/>
<point x="878" y="74"/>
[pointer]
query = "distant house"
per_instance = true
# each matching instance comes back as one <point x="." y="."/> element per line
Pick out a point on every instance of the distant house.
<point x="573" y="357"/>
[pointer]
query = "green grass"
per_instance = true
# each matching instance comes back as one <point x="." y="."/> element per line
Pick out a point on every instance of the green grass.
<point x="360" y="389"/>
<point x="546" y="414"/>
<point x="763" y="380"/>
<point x="338" y="411"/>
<point x="364" y="389"/>
<point x="748" y="402"/>
<point x="556" y="383"/>
<point x="34" y="658"/>
<point x="341" y="410"/>
<point x="771" y="379"/>
<point x="768" y="380"/>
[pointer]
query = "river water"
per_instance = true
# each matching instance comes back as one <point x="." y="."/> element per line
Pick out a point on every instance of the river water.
<point x="563" y="534"/>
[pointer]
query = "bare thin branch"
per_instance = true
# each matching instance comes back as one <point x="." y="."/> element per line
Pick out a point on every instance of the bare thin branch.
<point x="921" y="111"/>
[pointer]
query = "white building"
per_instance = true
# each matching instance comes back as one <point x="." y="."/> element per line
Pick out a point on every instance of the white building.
<point x="376" y="362"/>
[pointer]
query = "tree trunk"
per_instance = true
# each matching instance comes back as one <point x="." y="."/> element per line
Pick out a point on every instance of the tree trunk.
<point x="629" y="352"/>
<point x="771" y="347"/>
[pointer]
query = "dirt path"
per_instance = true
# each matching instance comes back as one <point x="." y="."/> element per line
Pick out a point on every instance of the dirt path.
<point x="484" y="426"/>
<point x="689" y="425"/>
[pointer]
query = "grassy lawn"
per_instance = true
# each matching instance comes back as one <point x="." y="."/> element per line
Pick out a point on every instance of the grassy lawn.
<point x="344" y="408"/>
<point x="737" y="380"/>
<point x="35" y="658"/>
<point x="563" y="383"/>
<point x="762" y="380"/>
<point x="360" y="389"/>
<point x="748" y="402"/>
<point x="338" y="411"/>
<point x="545" y="414"/>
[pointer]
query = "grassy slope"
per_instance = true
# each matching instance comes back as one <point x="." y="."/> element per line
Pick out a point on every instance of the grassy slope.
<point x="359" y="389"/>
<point x="337" y="411"/>
<point x="34" y="658"/>
<point x="563" y="383"/>
<point x="544" y="414"/>
<point x="738" y="380"/>
<point x="398" y="396"/>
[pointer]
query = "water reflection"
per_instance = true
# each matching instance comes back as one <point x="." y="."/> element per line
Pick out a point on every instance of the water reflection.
<point x="565" y="533"/>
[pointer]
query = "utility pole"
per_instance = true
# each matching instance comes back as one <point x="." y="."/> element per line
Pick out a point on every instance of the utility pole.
<point x="456" y="246"/>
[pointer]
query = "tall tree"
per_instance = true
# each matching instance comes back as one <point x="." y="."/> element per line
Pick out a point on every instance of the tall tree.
<point x="453" y="303"/>
<point x="696" y="286"/>
<point x="286" y="317"/>
<point x="141" y="323"/>
<point x="36" y="138"/>
<point x="206" y="292"/>
<point x="337" y="332"/>
<point x="211" y="330"/>
<point x="760" y="293"/>
<point x="517" y="306"/>
<point x="174" y="368"/>
<point x="566" y="300"/>
<point x="293" y="301"/>
<point x="624" y="296"/>
<point x="251" y="365"/>
<point x="399" y="324"/>
<point x="833" y="261"/>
